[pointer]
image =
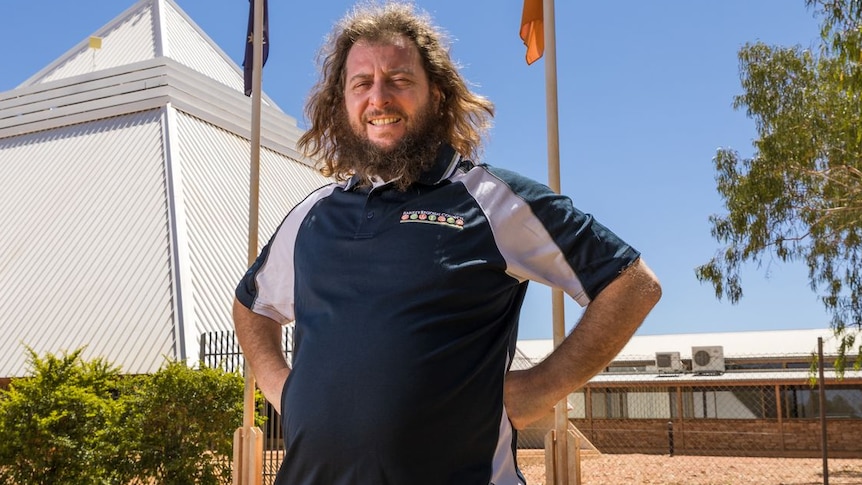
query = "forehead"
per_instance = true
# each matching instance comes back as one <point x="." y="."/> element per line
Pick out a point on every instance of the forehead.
<point x="395" y="53"/>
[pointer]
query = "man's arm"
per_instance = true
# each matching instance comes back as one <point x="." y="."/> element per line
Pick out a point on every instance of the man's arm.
<point x="607" y="324"/>
<point x="260" y="338"/>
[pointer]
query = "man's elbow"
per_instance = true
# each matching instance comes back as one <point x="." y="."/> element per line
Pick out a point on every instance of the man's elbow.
<point x="652" y="289"/>
<point x="646" y="285"/>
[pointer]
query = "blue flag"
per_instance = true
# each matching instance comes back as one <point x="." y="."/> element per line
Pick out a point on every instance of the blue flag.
<point x="249" y="44"/>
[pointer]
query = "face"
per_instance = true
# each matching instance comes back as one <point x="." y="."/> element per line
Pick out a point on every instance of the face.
<point x="386" y="91"/>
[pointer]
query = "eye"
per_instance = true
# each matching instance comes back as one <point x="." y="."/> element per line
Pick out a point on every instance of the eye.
<point x="360" y="85"/>
<point x="402" y="82"/>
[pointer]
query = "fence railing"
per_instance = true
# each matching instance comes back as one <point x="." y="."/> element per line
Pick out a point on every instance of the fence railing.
<point x="221" y="349"/>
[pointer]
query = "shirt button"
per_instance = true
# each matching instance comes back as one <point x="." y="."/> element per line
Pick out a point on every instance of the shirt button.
<point x="370" y="214"/>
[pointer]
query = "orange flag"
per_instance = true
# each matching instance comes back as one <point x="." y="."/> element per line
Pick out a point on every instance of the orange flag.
<point x="532" y="32"/>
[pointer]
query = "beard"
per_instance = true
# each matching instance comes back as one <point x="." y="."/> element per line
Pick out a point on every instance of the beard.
<point x="413" y="154"/>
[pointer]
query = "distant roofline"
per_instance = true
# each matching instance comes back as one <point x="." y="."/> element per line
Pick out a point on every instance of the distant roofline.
<point x="137" y="87"/>
<point x="752" y="344"/>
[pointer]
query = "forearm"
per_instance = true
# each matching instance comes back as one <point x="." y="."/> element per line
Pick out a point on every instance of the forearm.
<point x="605" y="327"/>
<point x="260" y="338"/>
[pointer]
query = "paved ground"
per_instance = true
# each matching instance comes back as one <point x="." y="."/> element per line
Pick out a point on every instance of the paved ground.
<point x="698" y="470"/>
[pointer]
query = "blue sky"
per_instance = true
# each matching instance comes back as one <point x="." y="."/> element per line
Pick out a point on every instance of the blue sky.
<point x="645" y="99"/>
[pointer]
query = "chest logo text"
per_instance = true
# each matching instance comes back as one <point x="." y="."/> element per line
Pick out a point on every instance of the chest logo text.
<point x="431" y="217"/>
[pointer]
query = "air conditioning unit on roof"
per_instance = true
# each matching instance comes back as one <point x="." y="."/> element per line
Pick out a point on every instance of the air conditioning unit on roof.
<point x="668" y="362"/>
<point x="707" y="359"/>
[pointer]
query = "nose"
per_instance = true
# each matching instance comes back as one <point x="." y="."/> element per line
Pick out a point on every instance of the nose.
<point x="379" y="94"/>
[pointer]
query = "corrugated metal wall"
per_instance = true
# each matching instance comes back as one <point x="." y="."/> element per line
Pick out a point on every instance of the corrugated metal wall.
<point x="215" y="175"/>
<point x="128" y="234"/>
<point x="85" y="258"/>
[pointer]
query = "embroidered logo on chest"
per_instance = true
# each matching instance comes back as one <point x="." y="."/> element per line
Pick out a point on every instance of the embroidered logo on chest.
<point x="431" y="217"/>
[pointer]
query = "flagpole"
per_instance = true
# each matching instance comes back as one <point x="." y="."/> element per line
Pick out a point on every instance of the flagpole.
<point x="254" y="181"/>
<point x="561" y="421"/>
<point x="248" y="440"/>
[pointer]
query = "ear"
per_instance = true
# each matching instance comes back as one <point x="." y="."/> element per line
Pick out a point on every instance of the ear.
<point x="437" y="97"/>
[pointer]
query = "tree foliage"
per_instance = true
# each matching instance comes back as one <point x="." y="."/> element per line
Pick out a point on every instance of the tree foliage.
<point x="57" y="426"/>
<point x="841" y="31"/>
<point x="799" y="198"/>
<point x="74" y="421"/>
<point x="179" y="424"/>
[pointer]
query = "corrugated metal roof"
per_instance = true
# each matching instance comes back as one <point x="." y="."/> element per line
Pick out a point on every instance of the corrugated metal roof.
<point x="125" y="192"/>
<point x="753" y="344"/>
<point x="127" y="39"/>
<point x="190" y="46"/>
<point x="148" y="29"/>
<point x="794" y="344"/>
<point x="727" y="378"/>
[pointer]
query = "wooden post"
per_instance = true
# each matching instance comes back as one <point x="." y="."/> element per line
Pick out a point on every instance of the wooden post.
<point x="571" y="473"/>
<point x="822" y="396"/>
<point x="573" y="442"/>
<point x="550" y="454"/>
<point x="248" y="439"/>
<point x="559" y="449"/>
<point x="248" y="456"/>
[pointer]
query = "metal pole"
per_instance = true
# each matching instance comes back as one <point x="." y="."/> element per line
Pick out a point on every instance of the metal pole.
<point x="248" y="440"/>
<point x="254" y="182"/>
<point x="561" y="421"/>
<point x="670" y="438"/>
<point x="822" y="386"/>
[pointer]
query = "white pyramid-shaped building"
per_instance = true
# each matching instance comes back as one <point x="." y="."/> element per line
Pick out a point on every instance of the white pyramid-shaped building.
<point x="124" y="194"/>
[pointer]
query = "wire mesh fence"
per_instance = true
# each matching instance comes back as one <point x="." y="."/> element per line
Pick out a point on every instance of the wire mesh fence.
<point x="751" y="423"/>
<point x="754" y="420"/>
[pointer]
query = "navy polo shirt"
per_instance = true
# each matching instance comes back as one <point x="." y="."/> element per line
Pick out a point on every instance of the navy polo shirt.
<point x="406" y="307"/>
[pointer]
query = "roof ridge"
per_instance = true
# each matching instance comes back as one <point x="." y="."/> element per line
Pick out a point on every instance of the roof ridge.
<point x="147" y="30"/>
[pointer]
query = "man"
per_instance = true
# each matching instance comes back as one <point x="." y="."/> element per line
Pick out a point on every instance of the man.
<point x="405" y="278"/>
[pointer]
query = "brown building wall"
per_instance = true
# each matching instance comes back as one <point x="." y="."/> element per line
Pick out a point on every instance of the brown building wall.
<point x="734" y="437"/>
<point x="774" y="434"/>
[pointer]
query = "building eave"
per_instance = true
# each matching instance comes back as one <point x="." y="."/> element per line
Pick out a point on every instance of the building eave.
<point x="137" y="87"/>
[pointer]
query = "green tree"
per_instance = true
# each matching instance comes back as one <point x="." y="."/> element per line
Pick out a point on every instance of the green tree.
<point x="841" y="31"/>
<point x="799" y="198"/>
<point x="179" y="424"/>
<point x="58" y="426"/>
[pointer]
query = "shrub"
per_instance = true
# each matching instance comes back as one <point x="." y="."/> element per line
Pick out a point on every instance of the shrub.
<point x="76" y="422"/>
<point x="179" y="423"/>
<point x="59" y="425"/>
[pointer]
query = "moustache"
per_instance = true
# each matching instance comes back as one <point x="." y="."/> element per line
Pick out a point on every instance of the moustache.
<point x="392" y="113"/>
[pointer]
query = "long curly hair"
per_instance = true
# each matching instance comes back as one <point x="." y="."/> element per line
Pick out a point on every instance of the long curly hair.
<point x="466" y="116"/>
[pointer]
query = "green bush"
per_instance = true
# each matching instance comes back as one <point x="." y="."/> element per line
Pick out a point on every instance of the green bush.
<point x="179" y="424"/>
<point x="58" y="426"/>
<point x="75" y="422"/>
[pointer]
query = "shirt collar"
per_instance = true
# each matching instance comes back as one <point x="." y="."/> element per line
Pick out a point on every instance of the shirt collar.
<point x="444" y="165"/>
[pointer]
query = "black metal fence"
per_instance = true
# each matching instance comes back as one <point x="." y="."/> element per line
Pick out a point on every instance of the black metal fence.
<point x="221" y="349"/>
